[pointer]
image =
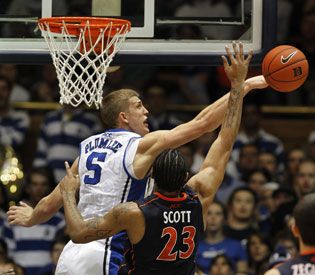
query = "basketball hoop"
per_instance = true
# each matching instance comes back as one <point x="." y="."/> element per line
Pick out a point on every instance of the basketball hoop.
<point x="82" y="49"/>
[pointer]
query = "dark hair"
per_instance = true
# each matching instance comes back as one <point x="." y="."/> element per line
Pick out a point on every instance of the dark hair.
<point x="262" y="171"/>
<point x="303" y="214"/>
<point x="222" y="207"/>
<point x="170" y="170"/>
<point x="8" y="81"/>
<point x="251" y="144"/>
<point x="114" y="103"/>
<point x="227" y="259"/>
<point x="239" y="189"/>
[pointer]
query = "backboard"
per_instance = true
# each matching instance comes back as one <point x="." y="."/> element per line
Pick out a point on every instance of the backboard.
<point x="173" y="32"/>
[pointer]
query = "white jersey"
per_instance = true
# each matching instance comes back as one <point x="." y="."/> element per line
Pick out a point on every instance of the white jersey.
<point x="106" y="179"/>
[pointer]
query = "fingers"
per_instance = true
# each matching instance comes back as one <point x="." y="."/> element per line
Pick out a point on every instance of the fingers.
<point x="236" y="50"/>
<point x="229" y="54"/>
<point x="241" y="47"/>
<point x="68" y="169"/>
<point x="249" y="56"/>
<point x="225" y="62"/>
<point x="23" y="203"/>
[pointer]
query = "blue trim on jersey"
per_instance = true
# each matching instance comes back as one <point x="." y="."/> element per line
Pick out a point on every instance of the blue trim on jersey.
<point x="137" y="189"/>
<point x="80" y="151"/>
<point x="124" y="164"/>
<point x="116" y="248"/>
<point x="119" y="130"/>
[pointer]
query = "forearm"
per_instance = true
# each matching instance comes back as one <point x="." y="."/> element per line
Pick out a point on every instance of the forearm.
<point x="215" y="112"/>
<point x="46" y="208"/>
<point x="73" y="217"/>
<point x="232" y="118"/>
<point x="82" y="231"/>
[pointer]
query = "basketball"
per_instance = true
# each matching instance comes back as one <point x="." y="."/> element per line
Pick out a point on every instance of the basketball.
<point x="285" y="68"/>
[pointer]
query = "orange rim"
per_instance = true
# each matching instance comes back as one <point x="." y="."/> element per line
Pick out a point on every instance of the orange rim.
<point x="75" y="24"/>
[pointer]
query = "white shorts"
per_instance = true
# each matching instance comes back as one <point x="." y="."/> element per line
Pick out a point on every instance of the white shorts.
<point x="94" y="258"/>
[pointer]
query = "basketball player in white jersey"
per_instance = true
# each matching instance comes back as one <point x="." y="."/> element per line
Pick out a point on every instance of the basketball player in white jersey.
<point x="113" y="166"/>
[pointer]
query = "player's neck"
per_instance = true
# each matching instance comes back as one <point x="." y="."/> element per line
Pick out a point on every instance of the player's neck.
<point x="174" y="194"/>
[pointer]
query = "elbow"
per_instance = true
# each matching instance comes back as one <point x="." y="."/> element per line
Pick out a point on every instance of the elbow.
<point x="77" y="237"/>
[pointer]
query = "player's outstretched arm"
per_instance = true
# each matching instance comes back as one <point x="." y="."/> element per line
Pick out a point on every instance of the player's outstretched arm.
<point x="207" y="181"/>
<point x="83" y="231"/>
<point x="25" y="215"/>
<point x="207" y="120"/>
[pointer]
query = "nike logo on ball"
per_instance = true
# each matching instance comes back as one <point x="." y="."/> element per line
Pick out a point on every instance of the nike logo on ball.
<point x="287" y="59"/>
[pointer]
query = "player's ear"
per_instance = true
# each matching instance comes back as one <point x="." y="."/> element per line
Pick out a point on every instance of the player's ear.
<point x="122" y="117"/>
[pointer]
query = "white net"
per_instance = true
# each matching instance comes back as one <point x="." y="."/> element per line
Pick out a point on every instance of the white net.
<point x="82" y="60"/>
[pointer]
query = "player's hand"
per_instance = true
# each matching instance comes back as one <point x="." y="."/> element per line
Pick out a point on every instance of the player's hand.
<point x="20" y="214"/>
<point x="70" y="182"/>
<point x="256" y="82"/>
<point x="236" y="65"/>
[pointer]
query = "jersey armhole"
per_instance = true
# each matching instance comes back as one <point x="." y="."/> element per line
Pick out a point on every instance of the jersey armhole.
<point x="130" y="172"/>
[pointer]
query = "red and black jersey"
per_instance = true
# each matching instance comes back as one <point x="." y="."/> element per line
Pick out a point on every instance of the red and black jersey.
<point x="173" y="228"/>
<point x="301" y="265"/>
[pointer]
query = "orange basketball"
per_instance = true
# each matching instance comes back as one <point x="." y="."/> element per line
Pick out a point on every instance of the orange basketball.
<point x="285" y="68"/>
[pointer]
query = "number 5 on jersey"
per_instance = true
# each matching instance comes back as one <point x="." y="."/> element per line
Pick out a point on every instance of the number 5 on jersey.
<point x="93" y="165"/>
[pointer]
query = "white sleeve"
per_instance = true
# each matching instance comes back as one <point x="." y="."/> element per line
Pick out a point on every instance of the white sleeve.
<point x="129" y="155"/>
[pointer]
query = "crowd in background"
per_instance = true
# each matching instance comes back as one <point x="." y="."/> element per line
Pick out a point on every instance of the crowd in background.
<point x="263" y="181"/>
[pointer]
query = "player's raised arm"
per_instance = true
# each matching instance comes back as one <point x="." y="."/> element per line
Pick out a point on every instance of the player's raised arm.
<point x="207" y="181"/>
<point x="83" y="231"/>
<point x="206" y="121"/>
<point x="25" y="215"/>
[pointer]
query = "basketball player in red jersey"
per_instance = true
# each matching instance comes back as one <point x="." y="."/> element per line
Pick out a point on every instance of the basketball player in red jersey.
<point x="303" y="230"/>
<point x="165" y="227"/>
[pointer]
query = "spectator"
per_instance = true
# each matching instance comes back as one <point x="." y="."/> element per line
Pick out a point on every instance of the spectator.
<point x="19" y="93"/>
<point x="221" y="265"/>
<point x="286" y="239"/>
<point x="251" y="132"/>
<point x="305" y="178"/>
<point x="248" y="161"/>
<point x="294" y="157"/>
<point x="256" y="179"/>
<point x="187" y="152"/>
<point x="56" y="249"/>
<point x="226" y="188"/>
<point x="284" y="200"/>
<point x="241" y="218"/>
<point x="259" y="251"/>
<point x="268" y="161"/>
<point x="43" y="92"/>
<point x="61" y="133"/>
<point x="159" y="118"/>
<point x="13" y="124"/>
<point x="311" y="145"/>
<point x="216" y="243"/>
<point x="29" y="247"/>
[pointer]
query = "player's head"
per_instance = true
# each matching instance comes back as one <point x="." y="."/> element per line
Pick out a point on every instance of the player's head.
<point x="124" y="109"/>
<point x="304" y="217"/>
<point x="170" y="171"/>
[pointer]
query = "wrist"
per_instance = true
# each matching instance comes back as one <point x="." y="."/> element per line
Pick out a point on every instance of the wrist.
<point x="237" y="85"/>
